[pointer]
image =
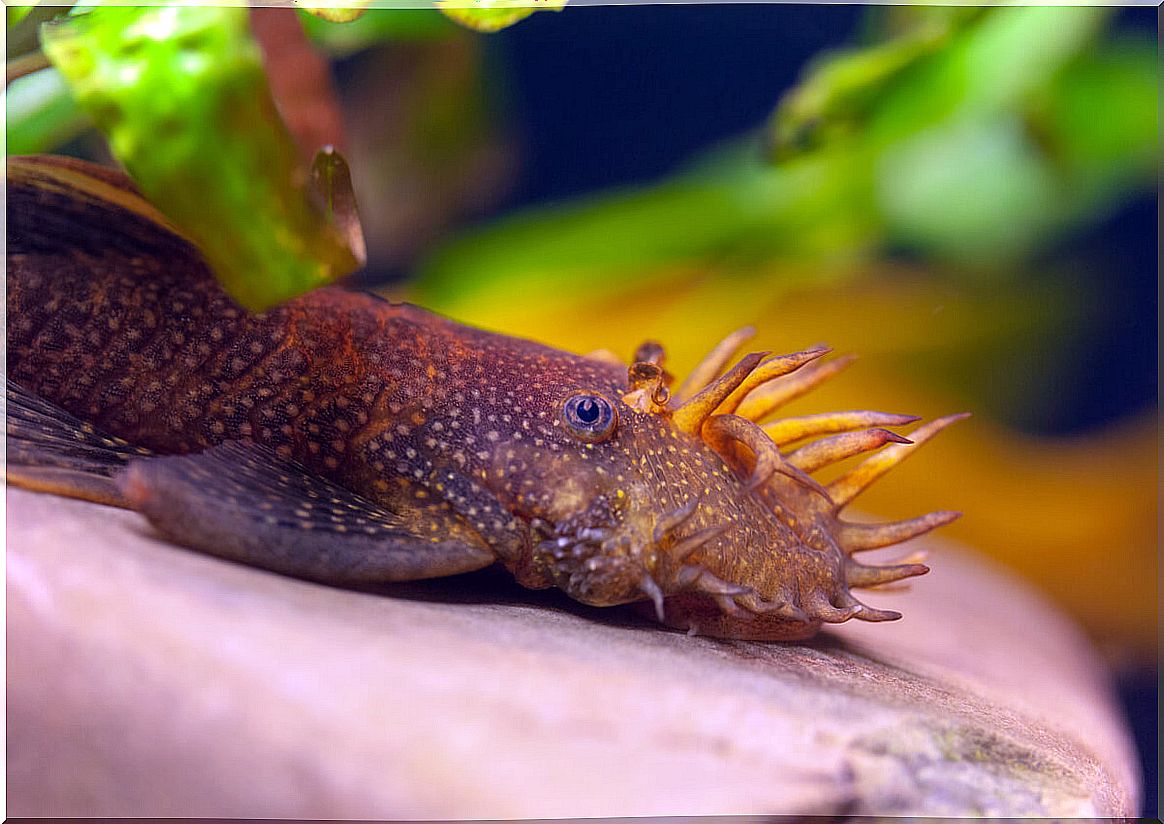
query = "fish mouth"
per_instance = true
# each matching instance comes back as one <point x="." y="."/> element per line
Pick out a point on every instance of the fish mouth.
<point x="730" y="412"/>
<point x="600" y="566"/>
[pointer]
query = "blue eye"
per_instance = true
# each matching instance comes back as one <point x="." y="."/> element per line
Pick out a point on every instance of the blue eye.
<point x="589" y="417"/>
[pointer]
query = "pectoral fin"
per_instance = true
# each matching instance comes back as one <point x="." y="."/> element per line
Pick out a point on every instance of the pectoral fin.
<point x="242" y="502"/>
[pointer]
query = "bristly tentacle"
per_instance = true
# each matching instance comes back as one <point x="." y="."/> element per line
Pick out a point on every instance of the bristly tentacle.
<point x="701" y="579"/>
<point x="766" y="399"/>
<point x="789" y="430"/>
<point x="651" y="589"/>
<point x="728" y="605"/>
<point x="667" y="524"/>
<point x="684" y="549"/>
<point x="781" y="607"/>
<point x="860" y="537"/>
<point x="722" y="430"/>
<point x="770" y="370"/>
<point x="726" y="408"/>
<point x="689" y="417"/>
<point x="868" y="613"/>
<point x="838" y="447"/>
<point x="713" y="364"/>
<point x="818" y="605"/>
<point x="860" y="575"/>
<point x="844" y="489"/>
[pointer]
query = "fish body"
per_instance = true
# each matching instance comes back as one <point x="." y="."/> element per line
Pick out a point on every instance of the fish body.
<point x="454" y="447"/>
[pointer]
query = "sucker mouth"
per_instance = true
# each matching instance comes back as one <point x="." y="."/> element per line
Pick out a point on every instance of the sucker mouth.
<point x="586" y="562"/>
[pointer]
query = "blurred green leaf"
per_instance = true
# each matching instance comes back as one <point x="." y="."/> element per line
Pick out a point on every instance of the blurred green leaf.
<point x="331" y="186"/>
<point x="344" y="12"/>
<point x="181" y="96"/>
<point x="738" y="212"/>
<point x="978" y="189"/>
<point x="962" y="138"/>
<point x="23" y="29"/>
<point x="1095" y="121"/>
<point x="1010" y="167"/>
<point x="996" y="64"/>
<point x="494" y="15"/>
<point x="841" y="87"/>
<point x="14" y="14"/>
<point x="376" y="26"/>
<point x="41" y="114"/>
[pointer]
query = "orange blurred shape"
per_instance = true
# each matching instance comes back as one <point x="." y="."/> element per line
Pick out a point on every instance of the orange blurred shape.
<point x="1077" y="515"/>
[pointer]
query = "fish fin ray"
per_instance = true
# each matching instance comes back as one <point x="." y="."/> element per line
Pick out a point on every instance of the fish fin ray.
<point x="51" y="450"/>
<point x="243" y="502"/>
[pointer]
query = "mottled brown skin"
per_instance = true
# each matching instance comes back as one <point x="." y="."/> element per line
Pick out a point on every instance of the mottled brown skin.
<point x="456" y="432"/>
<point x="387" y="400"/>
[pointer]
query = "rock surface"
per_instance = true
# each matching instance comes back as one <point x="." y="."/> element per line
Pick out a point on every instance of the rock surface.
<point x="145" y="680"/>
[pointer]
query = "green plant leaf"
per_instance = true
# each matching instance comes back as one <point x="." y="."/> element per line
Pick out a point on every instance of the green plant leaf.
<point x="343" y="12"/>
<point x="841" y="87"/>
<point x="1097" y="119"/>
<point x="181" y="96"/>
<point x="331" y="186"/>
<point x="979" y="190"/>
<point x="494" y="15"/>
<point x="14" y="14"/>
<point x="962" y="138"/>
<point x="41" y="114"/>
<point x="376" y="26"/>
<point x="736" y="210"/>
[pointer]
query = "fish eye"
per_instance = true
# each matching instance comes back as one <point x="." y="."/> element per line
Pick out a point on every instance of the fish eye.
<point x="590" y="417"/>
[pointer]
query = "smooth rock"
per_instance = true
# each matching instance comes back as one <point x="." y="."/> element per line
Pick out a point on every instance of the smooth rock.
<point x="147" y="681"/>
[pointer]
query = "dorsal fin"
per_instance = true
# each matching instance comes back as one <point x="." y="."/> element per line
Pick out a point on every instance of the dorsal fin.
<point x="61" y="204"/>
